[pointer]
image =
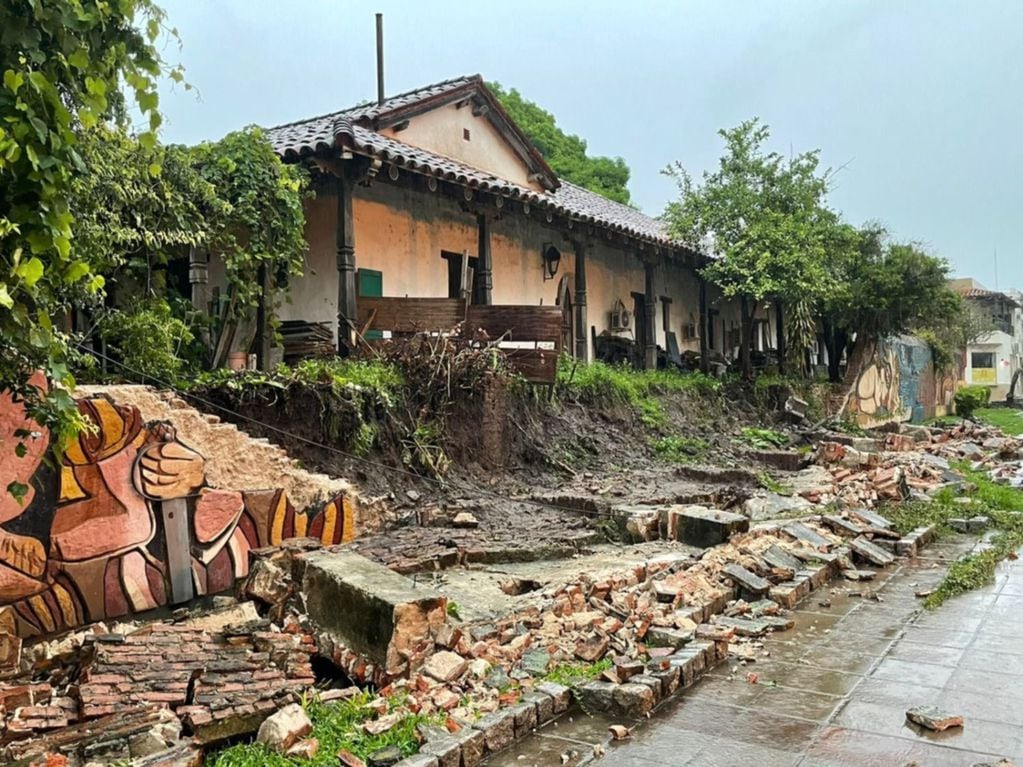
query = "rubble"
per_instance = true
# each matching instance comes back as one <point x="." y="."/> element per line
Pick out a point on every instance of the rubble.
<point x="283" y="729"/>
<point x="933" y="718"/>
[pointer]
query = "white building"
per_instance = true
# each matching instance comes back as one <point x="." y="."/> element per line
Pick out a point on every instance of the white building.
<point x="996" y="355"/>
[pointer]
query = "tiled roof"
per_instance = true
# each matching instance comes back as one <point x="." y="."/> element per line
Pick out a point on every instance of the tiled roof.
<point x="982" y="293"/>
<point x="352" y="129"/>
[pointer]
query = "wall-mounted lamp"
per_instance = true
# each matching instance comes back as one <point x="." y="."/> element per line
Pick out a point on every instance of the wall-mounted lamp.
<point x="551" y="260"/>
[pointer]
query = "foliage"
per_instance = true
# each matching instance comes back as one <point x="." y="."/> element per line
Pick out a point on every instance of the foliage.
<point x="763" y="439"/>
<point x="64" y="65"/>
<point x="1009" y="420"/>
<point x="264" y="227"/>
<point x="572" y="673"/>
<point x="337" y="726"/>
<point x="772" y="485"/>
<point x="564" y="152"/>
<point x="681" y="449"/>
<point x="138" y="204"/>
<point x="382" y="378"/>
<point x="764" y="216"/>
<point x="969" y="398"/>
<point x="148" y="339"/>
<point x="883" y="288"/>
<point x="599" y="383"/>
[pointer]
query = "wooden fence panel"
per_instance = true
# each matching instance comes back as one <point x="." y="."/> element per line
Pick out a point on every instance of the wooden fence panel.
<point x="411" y="315"/>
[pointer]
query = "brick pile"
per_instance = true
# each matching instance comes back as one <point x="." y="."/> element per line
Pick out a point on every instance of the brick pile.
<point x="217" y="684"/>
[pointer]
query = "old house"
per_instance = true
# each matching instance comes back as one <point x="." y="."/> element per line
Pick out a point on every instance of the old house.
<point x="436" y="194"/>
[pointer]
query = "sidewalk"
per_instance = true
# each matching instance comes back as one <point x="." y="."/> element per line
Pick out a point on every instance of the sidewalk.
<point x="843" y="679"/>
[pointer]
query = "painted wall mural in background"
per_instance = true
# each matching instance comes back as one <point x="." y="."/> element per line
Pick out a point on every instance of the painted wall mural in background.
<point x="898" y="382"/>
<point x="126" y="523"/>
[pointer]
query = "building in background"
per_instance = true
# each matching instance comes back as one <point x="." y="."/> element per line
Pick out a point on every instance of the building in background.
<point x="995" y="356"/>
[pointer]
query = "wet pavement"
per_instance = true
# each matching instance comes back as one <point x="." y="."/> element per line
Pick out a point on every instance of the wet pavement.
<point x="834" y="691"/>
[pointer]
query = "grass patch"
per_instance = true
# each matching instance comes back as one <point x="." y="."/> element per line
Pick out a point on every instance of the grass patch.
<point x="771" y="485"/>
<point x="337" y="726"/>
<point x="573" y="674"/>
<point x="598" y="383"/>
<point x="1009" y="420"/>
<point x="763" y="439"/>
<point x="1002" y="504"/>
<point x="681" y="449"/>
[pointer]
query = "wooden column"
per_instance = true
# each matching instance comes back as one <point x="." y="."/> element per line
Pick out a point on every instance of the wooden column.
<point x="199" y="281"/>
<point x="484" y="281"/>
<point x="264" y="334"/>
<point x="650" y="303"/>
<point x="345" y="240"/>
<point x="582" y="332"/>
<point x="704" y="326"/>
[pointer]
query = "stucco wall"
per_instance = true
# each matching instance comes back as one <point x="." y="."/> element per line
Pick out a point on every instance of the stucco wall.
<point x="1001" y="346"/>
<point x="402" y="232"/>
<point x="442" y="131"/>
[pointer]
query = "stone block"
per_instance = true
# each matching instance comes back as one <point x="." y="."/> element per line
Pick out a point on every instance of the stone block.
<point x="369" y="608"/>
<point x="525" y="718"/>
<point x="807" y="535"/>
<point x="420" y="760"/>
<point x="637" y="524"/>
<point x="790" y="593"/>
<point x="473" y="746"/>
<point x="447" y="751"/>
<point x="560" y="695"/>
<point x="703" y="527"/>
<point x="871" y="518"/>
<point x="842" y="526"/>
<point x="653" y="683"/>
<point x="544" y="705"/>
<point x="746" y="581"/>
<point x="498" y="730"/>
<point x="871" y="552"/>
<point x="670" y="678"/>
<point x="658" y="636"/>
<point x="632" y="700"/>
<point x="597" y="695"/>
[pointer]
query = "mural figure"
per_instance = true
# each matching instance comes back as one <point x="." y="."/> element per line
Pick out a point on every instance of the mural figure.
<point x="126" y="523"/>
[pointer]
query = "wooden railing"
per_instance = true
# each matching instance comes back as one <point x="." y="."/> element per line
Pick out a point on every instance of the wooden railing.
<point x="529" y="336"/>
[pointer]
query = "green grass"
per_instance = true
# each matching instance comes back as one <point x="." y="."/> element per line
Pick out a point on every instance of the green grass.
<point x="572" y="674"/>
<point x="763" y="439"/>
<point x="337" y="726"/>
<point x="772" y="485"/>
<point x="998" y="502"/>
<point x="1009" y="420"/>
<point x="598" y="383"/>
<point x="681" y="449"/>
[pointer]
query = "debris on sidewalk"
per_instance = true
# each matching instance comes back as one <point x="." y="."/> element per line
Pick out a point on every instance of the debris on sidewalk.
<point x="933" y="718"/>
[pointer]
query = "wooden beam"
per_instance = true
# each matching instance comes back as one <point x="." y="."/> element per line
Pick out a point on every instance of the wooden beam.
<point x="199" y="281"/>
<point x="484" y="265"/>
<point x="581" y="323"/>
<point x="264" y="334"/>
<point x="704" y="326"/>
<point x="650" y="303"/>
<point x="347" y="311"/>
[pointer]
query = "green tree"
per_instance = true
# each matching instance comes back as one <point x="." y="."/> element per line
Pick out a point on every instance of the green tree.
<point x="66" y="65"/>
<point x="565" y="152"/>
<point x="764" y="217"/>
<point x="881" y="288"/>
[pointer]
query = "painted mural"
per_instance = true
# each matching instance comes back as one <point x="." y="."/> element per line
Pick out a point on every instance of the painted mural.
<point x="127" y="522"/>
<point x="898" y="382"/>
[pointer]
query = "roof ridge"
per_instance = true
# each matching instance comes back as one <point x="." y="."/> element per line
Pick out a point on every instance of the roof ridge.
<point x="375" y="105"/>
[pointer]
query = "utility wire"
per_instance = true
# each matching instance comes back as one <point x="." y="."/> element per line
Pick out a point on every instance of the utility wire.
<point x="330" y="448"/>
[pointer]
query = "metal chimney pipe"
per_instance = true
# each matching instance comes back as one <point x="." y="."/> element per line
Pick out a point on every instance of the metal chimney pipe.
<point x="380" y="58"/>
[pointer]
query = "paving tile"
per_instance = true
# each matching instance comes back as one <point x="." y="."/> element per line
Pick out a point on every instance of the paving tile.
<point x="851" y="748"/>
<point x="927" y="674"/>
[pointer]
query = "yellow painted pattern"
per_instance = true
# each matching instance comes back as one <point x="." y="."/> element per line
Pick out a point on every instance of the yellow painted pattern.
<point x="329" y="523"/>
<point x="277" y="520"/>
<point x="67" y="605"/>
<point x="70" y="490"/>
<point x="348" y="509"/>
<point x="42" y="612"/>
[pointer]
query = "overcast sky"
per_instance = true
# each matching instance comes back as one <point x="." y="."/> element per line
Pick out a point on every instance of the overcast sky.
<point x="920" y="102"/>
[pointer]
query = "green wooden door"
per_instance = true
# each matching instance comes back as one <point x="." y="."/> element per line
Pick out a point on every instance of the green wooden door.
<point x="370" y="284"/>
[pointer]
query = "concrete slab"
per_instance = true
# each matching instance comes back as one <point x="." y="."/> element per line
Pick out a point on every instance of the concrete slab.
<point x="369" y="608"/>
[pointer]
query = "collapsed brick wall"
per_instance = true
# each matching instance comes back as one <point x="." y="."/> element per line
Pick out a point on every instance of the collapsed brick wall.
<point x="130" y="520"/>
